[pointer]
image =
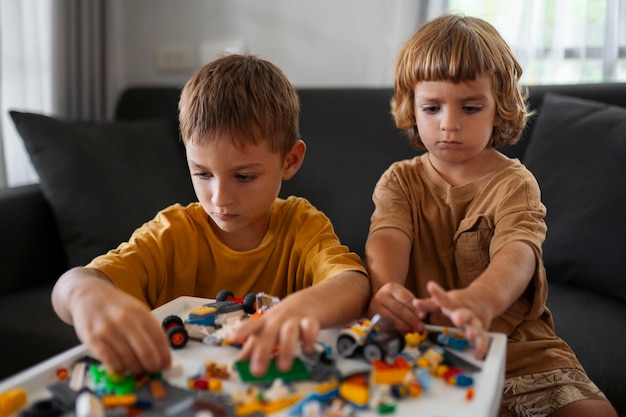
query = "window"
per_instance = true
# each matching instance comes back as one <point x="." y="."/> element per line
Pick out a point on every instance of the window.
<point x="559" y="41"/>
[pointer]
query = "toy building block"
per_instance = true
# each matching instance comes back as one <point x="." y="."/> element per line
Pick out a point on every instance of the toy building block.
<point x="454" y="340"/>
<point x="374" y="339"/>
<point x="413" y="339"/>
<point x="355" y="391"/>
<point x="12" y="400"/>
<point x="297" y="372"/>
<point x="216" y="370"/>
<point x="394" y="373"/>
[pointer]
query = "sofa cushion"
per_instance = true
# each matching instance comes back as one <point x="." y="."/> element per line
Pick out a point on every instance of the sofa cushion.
<point x="577" y="153"/>
<point x="103" y="180"/>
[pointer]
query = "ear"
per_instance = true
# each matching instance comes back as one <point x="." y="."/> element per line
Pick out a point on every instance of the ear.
<point x="294" y="159"/>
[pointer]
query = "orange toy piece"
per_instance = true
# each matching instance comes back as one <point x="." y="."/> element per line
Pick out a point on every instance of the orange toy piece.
<point x="395" y="373"/>
<point x="157" y="389"/>
<point x="216" y="370"/>
<point x="62" y="374"/>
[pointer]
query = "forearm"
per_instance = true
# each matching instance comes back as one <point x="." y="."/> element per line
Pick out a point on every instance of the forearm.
<point x="504" y="281"/>
<point x="328" y="301"/>
<point x="387" y="253"/>
<point x="76" y="284"/>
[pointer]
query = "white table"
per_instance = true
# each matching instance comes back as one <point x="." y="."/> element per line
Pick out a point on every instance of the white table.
<point x="443" y="400"/>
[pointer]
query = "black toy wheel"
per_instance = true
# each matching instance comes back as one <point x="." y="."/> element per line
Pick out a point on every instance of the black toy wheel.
<point x="344" y="345"/>
<point x="249" y="303"/>
<point x="372" y="351"/>
<point x="178" y="337"/>
<point x="171" y="321"/>
<point x="224" y="295"/>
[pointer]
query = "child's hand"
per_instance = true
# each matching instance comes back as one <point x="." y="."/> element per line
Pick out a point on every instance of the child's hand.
<point x="278" y="329"/>
<point x="120" y="331"/>
<point x="395" y="301"/>
<point x="462" y="311"/>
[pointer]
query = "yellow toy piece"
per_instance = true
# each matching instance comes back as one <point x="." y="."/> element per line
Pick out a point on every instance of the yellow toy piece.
<point x="12" y="400"/>
<point x="414" y="339"/>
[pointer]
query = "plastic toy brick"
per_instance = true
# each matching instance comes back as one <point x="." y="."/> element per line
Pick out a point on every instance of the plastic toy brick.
<point x="122" y="400"/>
<point x="12" y="400"/>
<point x="77" y="379"/>
<point x="249" y="302"/>
<point x="322" y="394"/>
<point x="355" y="390"/>
<point x="89" y="405"/>
<point x="157" y="390"/>
<point x="413" y="339"/>
<point x="394" y="373"/>
<point x="205" y="383"/>
<point x="216" y="370"/>
<point x="375" y="339"/>
<point x="455" y="341"/>
<point x="432" y="358"/>
<point x="297" y="372"/>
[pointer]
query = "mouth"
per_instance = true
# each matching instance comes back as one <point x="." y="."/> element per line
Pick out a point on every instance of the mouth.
<point x="224" y="216"/>
<point x="448" y="144"/>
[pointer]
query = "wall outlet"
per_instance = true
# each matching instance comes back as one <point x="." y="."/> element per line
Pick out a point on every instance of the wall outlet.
<point x="175" y="58"/>
<point x="210" y="51"/>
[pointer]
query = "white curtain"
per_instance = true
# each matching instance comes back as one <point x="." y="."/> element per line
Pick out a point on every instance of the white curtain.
<point x="52" y="62"/>
<point x="559" y="41"/>
<point x="25" y="77"/>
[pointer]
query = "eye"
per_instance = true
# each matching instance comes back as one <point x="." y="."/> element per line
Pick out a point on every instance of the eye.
<point x="246" y="177"/>
<point x="430" y="109"/>
<point x="202" y="175"/>
<point x="471" y="109"/>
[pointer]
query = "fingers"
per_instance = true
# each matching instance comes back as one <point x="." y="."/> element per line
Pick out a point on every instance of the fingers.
<point x="463" y="318"/>
<point x="395" y="301"/>
<point x="126" y="338"/>
<point x="266" y="339"/>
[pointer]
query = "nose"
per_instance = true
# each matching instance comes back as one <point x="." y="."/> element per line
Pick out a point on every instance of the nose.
<point x="222" y="195"/>
<point x="449" y="121"/>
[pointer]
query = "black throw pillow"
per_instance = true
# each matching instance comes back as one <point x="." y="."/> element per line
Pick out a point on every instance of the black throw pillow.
<point x="103" y="180"/>
<point x="578" y="153"/>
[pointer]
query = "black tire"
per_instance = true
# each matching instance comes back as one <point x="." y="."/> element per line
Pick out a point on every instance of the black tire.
<point x="249" y="303"/>
<point x="224" y="295"/>
<point x="178" y="337"/>
<point x="344" y="345"/>
<point x="171" y="321"/>
<point x="373" y="351"/>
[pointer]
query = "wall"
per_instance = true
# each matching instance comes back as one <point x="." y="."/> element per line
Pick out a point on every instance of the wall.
<point x="315" y="42"/>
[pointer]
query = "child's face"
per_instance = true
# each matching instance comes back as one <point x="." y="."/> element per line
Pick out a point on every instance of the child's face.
<point x="237" y="187"/>
<point x="455" y="121"/>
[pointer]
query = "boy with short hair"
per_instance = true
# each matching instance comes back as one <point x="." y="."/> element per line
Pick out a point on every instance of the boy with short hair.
<point x="239" y="119"/>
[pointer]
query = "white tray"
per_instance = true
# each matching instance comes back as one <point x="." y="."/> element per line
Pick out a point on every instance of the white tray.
<point x="442" y="401"/>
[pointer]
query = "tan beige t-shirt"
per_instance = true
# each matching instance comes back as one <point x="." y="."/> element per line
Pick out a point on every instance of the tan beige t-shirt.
<point x="457" y="230"/>
<point x="177" y="253"/>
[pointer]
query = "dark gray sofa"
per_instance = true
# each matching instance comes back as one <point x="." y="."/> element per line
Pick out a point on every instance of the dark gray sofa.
<point x="576" y="150"/>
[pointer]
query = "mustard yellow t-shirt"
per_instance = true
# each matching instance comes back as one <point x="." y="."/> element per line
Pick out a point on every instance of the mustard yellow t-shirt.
<point x="177" y="253"/>
<point x="457" y="230"/>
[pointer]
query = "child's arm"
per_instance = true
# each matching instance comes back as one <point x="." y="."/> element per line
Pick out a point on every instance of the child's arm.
<point x="118" y="329"/>
<point x="297" y="319"/>
<point x="387" y="254"/>
<point x="473" y="308"/>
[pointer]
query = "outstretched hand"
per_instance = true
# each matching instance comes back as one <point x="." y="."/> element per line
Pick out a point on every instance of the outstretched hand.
<point x="395" y="301"/>
<point x="279" y="332"/>
<point x="464" y="313"/>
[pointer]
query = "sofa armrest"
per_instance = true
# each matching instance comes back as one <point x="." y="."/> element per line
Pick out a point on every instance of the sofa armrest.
<point x="30" y="249"/>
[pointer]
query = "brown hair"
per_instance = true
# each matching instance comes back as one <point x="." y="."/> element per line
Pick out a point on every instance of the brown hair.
<point x="459" y="48"/>
<point x="244" y="97"/>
